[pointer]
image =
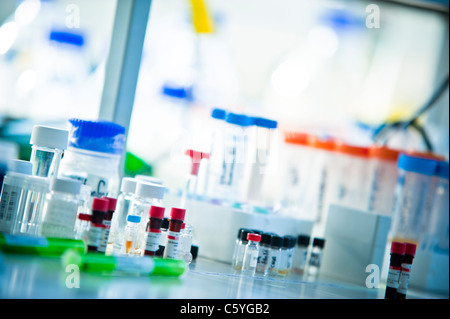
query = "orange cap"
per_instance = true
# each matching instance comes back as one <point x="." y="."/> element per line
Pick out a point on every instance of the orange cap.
<point x="360" y="151"/>
<point x="384" y="153"/>
<point x="323" y="144"/>
<point x="296" y="138"/>
<point x="426" y="155"/>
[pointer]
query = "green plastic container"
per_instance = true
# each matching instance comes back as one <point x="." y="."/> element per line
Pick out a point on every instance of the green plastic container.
<point x="38" y="245"/>
<point x="154" y="266"/>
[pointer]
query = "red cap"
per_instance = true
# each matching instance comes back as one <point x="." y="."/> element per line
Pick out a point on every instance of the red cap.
<point x="254" y="237"/>
<point x="82" y="216"/>
<point x="196" y="157"/>
<point x="157" y="212"/>
<point x="410" y="249"/>
<point x="112" y="203"/>
<point x="352" y="149"/>
<point x="177" y="213"/>
<point x="398" y="248"/>
<point x="100" y="204"/>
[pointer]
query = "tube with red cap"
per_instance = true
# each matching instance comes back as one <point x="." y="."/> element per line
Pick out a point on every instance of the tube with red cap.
<point x="410" y="252"/>
<point x="191" y="184"/>
<point x="99" y="210"/>
<point x="112" y="202"/>
<point x="395" y="268"/>
<point x="153" y="230"/>
<point x="173" y="233"/>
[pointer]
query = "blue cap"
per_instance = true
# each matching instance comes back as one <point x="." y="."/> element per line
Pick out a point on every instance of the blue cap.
<point x="133" y="219"/>
<point x="417" y="164"/>
<point x="442" y="170"/>
<point x="179" y="92"/>
<point x="67" y="37"/>
<point x="219" y="114"/>
<point x="97" y="136"/>
<point x="266" y="123"/>
<point x="239" y="119"/>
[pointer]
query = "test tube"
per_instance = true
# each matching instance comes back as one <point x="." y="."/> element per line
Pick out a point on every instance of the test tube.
<point x="48" y="145"/>
<point x="264" y="139"/>
<point x="173" y="234"/>
<point x="274" y="255"/>
<point x="251" y="254"/>
<point x="263" y="255"/>
<point x="131" y="235"/>
<point x="154" y="230"/>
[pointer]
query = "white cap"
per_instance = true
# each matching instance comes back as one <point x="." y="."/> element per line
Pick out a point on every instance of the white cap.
<point x="149" y="179"/>
<point x="65" y="185"/>
<point x="149" y="190"/>
<point x="23" y="167"/>
<point x="128" y="185"/>
<point x="49" y="137"/>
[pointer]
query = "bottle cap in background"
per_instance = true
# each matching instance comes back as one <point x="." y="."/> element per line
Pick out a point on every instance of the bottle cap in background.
<point x="149" y="179"/>
<point x="112" y="203"/>
<point x="157" y="212"/>
<point x="22" y="167"/>
<point x="303" y="240"/>
<point x="410" y="249"/>
<point x="128" y="185"/>
<point x="100" y="204"/>
<point x="321" y="143"/>
<point x="49" y="137"/>
<point x="353" y="150"/>
<point x="418" y="165"/>
<point x="134" y="219"/>
<point x="219" y="114"/>
<point x="254" y="237"/>
<point x="384" y="153"/>
<point x="398" y="248"/>
<point x="177" y="213"/>
<point x="148" y="190"/>
<point x="296" y="138"/>
<point x="97" y="136"/>
<point x="244" y="234"/>
<point x="318" y="242"/>
<point x="65" y="185"/>
<point x="265" y="123"/>
<point x="265" y="238"/>
<point x="276" y="241"/>
<point x="442" y="170"/>
<point x="239" y="119"/>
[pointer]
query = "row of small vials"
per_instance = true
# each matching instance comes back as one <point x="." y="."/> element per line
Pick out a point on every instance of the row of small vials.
<point x="263" y="254"/>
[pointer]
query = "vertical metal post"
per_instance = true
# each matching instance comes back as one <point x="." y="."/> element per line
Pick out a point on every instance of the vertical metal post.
<point x="122" y="66"/>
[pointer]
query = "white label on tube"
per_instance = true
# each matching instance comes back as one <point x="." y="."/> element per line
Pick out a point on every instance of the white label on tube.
<point x="104" y="236"/>
<point x="253" y="259"/>
<point x="17" y="240"/>
<point x="130" y="264"/>
<point x="403" y="281"/>
<point x="152" y="243"/>
<point x="315" y="259"/>
<point x="94" y="236"/>
<point x="171" y="249"/>
<point x="393" y="278"/>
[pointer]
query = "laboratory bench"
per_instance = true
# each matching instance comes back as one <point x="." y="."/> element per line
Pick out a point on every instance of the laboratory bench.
<point x="34" y="277"/>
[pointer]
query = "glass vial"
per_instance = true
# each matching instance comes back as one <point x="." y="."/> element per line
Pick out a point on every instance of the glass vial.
<point x="112" y="202"/>
<point x="173" y="234"/>
<point x="300" y="254"/>
<point x="99" y="209"/>
<point x="131" y="235"/>
<point x="153" y="231"/>
<point x="274" y="255"/>
<point x="251" y="254"/>
<point x="315" y="258"/>
<point x="239" y="258"/>
<point x="263" y="255"/>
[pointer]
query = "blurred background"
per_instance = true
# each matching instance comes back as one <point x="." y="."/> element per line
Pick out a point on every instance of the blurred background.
<point x="339" y="68"/>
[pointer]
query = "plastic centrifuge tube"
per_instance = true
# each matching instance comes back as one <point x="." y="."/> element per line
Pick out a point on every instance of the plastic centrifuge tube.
<point x="48" y="145"/>
<point x="110" y="264"/>
<point x="173" y="234"/>
<point x="38" y="245"/>
<point x="251" y="254"/>
<point x="131" y="235"/>
<point x="99" y="209"/>
<point x="153" y="231"/>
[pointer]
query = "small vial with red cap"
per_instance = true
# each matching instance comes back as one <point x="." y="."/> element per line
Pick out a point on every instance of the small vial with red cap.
<point x="395" y="268"/>
<point x="107" y="222"/>
<point x="99" y="210"/>
<point x="153" y="230"/>
<point x="410" y="252"/>
<point x="173" y="233"/>
<point x="251" y="254"/>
